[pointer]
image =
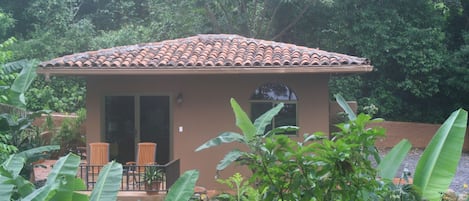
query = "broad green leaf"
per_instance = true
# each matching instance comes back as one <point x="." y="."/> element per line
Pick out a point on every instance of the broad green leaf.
<point x="15" y="66"/>
<point x="266" y="119"/>
<point x="314" y="137"/>
<point x="14" y="164"/>
<point x="64" y="169"/>
<point x="46" y="192"/>
<point x="393" y="160"/>
<point x="282" y="130"/>
<point x="437" y="165"/>
<point x="65" y="166"/>
<point x="226" y="137"/>
<point x="25" y="78"/>
<point x="38" y="150"/>
<point x="343" y="104"/>
<point x="23" y="186"/>
<point x="229" y="158"/>
<point x="10" y="169"/>
<point x="183" y="188"/>
<point x="77" y="196"/>
<point x="242" y="121"/>
<point x="68" y="190"/>
<point x="108" y="183"/>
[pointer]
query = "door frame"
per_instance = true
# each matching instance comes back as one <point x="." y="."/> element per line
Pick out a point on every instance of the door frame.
<point x="137" y="117"/>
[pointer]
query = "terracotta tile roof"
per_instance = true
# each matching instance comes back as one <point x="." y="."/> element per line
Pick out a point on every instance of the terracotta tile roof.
<point x="205" y="51"/>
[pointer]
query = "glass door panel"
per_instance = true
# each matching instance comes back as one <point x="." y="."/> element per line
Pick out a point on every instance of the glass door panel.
<point x="120" y="127"/>
<point x="154" y="124"/>
<point x="133" y="119"/>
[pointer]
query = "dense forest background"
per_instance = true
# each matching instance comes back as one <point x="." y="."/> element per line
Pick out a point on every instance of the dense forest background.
<point x="419" y="48"/>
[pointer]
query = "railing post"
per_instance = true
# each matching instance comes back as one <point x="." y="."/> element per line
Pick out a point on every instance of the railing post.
<point x="172" y="170"/>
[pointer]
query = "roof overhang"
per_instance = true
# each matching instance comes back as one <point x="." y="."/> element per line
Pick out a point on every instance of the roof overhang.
<point x="352" y="69"/>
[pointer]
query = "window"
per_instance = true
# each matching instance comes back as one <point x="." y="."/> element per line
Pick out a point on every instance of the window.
<point x="268" y="96"/>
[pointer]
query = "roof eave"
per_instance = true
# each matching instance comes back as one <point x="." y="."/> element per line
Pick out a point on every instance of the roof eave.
<point x="206" y="70"/>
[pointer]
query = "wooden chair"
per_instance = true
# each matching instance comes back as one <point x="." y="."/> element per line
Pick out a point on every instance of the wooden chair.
<point x="145" y="156"/>
<point x="98" y="157"/>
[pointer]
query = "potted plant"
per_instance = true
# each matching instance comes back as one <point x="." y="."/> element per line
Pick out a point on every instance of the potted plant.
<point x="152" y="176"/>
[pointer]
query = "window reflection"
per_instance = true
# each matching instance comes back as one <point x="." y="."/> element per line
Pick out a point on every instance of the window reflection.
<point x="274" y="91"/>
<point x="268" y="96"/>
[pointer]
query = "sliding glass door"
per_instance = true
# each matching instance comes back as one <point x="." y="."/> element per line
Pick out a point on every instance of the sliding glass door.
<point x="133" y="119"/>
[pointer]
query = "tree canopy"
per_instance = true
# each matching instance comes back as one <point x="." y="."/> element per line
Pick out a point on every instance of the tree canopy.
<point x="419" y="48"/>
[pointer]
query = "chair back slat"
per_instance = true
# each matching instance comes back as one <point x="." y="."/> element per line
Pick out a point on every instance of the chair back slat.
<point x="146" y="153"/>
<point x="99" y="153"/>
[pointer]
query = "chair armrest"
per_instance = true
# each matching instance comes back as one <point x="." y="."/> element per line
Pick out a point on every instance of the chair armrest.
<point x="131" y="163"/>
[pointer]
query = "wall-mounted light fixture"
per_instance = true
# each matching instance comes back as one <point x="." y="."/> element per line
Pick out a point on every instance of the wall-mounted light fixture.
<point x="179" y="98"/>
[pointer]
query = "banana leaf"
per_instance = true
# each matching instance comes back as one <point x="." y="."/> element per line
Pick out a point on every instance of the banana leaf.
<point x="437" y="165"/>
<point x="62" y="174"/>
<point x="266" y="119"/>
<point x="25" y="78"/>
<point x="226" y="137"/>
<point x="229" y="158"/>
<point x="183" y="188"/>
<point x="344" y="105"/>
<point x="108" y="182"/>
<point x="392" y="161"/>
<point x="9" y="170"/>
<point x="242" y="121"/>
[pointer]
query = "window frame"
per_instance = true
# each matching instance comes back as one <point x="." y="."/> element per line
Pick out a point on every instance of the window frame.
<point x="273" y="103"/>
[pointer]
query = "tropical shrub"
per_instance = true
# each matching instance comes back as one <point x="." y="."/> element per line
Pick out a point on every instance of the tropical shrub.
<point x="70" y="135"/>
<point x="339" y="167"/>
<point x="318" y="168"/>
<point x="243" y="191"/>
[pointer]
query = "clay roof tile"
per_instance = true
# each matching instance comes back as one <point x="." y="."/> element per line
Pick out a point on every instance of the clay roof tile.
<point x="221" y="50"/>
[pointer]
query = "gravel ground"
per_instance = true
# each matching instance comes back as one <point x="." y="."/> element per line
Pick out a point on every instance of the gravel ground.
<point x="462" y="172"/>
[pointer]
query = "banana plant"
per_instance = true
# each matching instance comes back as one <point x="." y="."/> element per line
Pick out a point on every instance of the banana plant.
<point x="14" y="94"/>
<point x="390" y="163"/>
<point x="62" y="183"/>
<point x="252" y="133"/>
<point x="437" y="165"/>
<point x="108" y="183"/>
<point x="183" y="188"/>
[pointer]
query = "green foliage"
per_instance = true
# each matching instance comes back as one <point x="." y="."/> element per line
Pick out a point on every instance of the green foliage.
<point x="61" y="184"/>
<point x="243" y="190"/>
<point x="387" y="167"/>
<point x="404" y="41"/>
<point x="437" y="165"/>
<point x="418" y="48"/>
<point x="60" y="94"/>
<point x="152" y="174"/>
<point x="5" y="147"/>
<point x="316" y="169"/>
<point x="19" y="129"/>
<point x="253" y="134"/>
<point x="183" y="188"/>
<point x="6" y="22"/>
<point x="401" y="192"/>
<point x="70" y="135"/>
<point x="108" y="183"/>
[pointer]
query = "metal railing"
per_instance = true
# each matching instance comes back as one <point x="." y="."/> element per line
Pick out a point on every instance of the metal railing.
<point x="133" y="176"/>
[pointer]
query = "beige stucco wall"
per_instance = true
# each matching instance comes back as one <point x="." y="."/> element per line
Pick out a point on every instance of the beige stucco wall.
<point x="206" y="111"/>
<point x="419" y="134"/>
